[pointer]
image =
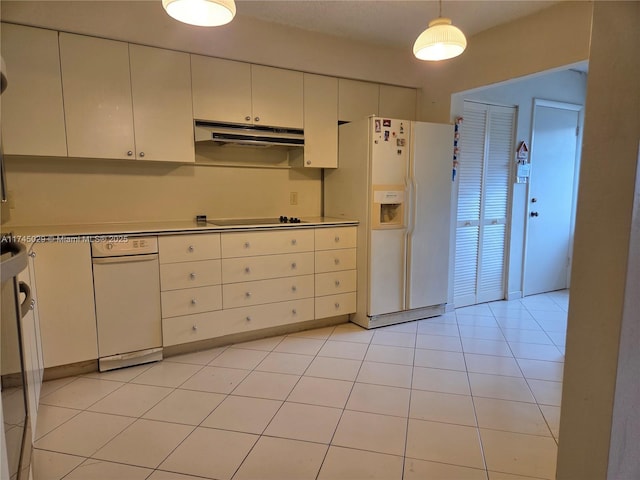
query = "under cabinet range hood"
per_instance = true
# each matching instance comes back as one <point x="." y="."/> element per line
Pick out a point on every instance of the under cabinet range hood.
<point x="229" y="134"/>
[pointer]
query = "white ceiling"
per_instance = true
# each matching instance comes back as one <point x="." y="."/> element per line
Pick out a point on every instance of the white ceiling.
<point x="395" y="23"/>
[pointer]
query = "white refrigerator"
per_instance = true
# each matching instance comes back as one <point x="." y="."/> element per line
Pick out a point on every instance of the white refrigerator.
<point x="394" y="177"/>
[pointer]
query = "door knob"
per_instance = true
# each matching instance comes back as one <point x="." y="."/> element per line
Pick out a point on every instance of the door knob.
<point x="534" y="214"/>
<point x="534" y="200"/>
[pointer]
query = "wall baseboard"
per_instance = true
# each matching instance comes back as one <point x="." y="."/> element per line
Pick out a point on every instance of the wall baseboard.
<point x="514" y="295"/>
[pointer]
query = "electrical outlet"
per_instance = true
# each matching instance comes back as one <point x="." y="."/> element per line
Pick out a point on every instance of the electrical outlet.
<point x="293" y="198"/>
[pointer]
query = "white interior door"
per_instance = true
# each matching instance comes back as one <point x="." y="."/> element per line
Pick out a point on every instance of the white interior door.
<point x="551" y="196"/>
<point x="483" y="203"/>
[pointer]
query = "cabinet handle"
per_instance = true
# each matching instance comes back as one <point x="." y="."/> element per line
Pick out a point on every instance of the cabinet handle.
<point x="336" y="261"/>
<point x="247" y="118"/>
<point x="248" y="318"/>
<point x="247" y="244"/>
<point x="247" y="294"/>
<point x="141" y="154"/>
<point x="294" y="242"/>
<point x="337" y="239"/>
<point x="294" y="265"/>
<point x="308" y="162"/>
<point x="191" y="248"/>
<point x="257" y="119"/>
<point x="32" y="254"/>
<point x="130" y="153"/>
<point x="294" y="312"/>
<point x="194" y="328"/>
<point x="337" y="283"/>
<point x="192" y="275"/>
<point x="193" y="301"/>
<point x="294" y="289"/>
<point x="337" y="305"/>
<point x="247" y="270"/>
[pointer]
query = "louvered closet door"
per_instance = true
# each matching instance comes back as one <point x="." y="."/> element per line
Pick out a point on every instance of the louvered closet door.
<point x="486" y="143"/>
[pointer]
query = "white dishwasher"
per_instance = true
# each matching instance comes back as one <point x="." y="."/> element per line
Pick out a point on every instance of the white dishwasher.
<point x="126" y="279"/>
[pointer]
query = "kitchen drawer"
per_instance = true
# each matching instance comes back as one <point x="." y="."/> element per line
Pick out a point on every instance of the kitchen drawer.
<point x="334" y="260"/>
<point x="267" y="291"/>
<point x="244" y="244"/>
<point x="333" y="305"/>
<point x="189" y="248"/>
<point x="335" y="282"/>
<point x="333" y="238"/>
<point x="191" y="328"/>
<point x="189" y="274"/>
<point x="264" y="316"/>
<point x="191" y="300"/>
<point x="244" y="269"/>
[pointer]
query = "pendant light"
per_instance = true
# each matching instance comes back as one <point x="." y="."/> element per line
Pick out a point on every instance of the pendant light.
<point x="440" y="41"/>
<point x="203" y="13"/>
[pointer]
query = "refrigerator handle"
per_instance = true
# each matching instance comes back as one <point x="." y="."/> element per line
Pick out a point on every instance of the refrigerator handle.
<point x="410" y="222"/>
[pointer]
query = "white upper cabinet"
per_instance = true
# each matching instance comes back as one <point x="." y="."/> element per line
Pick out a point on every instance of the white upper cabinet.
<point x="105" y="89"/>
<point x="357" y="100"/>
<point x="163" y="117"/>
<point x="398" y="102"/>
<point x="97" y="97"/>
<point x="277" y="96"/>
<point x="32" y="112"/>
<point x="221" y="90"/>
<point x="320" y="121"/>
<point x="236" y="92"/>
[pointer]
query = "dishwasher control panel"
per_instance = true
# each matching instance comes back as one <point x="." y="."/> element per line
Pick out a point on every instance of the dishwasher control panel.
<point x="120" y="246"/>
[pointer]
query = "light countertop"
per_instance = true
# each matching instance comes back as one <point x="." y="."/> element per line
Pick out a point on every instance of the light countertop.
<point x="30" y="234"/>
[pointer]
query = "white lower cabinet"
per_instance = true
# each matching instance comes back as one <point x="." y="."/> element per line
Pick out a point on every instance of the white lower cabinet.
<point x="335" y="264"/>
<point x="66" y="306"/>
<point x="267" y="291"/>
<point x="191" y="286"/>
<point x="234" y="282"/>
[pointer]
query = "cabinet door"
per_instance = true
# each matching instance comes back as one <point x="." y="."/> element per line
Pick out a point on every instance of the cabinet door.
<point x="357" y="100"/>
<point x="221" y="89"/>
<point x="163" y="116"/>
<point x="398" y="102"/>
<point x="277" y="97"/>
<point x="97" y="97"/>
<point x="32" y="113"/>
<point x="320" y="121"/>
<point x="65" y="302"/>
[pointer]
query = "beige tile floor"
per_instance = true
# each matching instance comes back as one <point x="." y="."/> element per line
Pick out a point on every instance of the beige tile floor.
<point x="473" y="394"/>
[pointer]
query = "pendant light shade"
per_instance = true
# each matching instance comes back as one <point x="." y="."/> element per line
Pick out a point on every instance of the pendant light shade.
<point x="203" y="13"/>
<point x="440" y="41"/>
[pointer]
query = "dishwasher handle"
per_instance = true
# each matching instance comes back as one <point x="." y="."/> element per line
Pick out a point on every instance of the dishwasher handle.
<point x="125" y="259"/>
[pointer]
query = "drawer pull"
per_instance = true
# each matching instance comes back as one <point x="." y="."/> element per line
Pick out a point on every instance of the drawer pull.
<point x="247" y="294"/>
<point x="294" y="265"/>
<point x="337" y="305"/>
<point x="248" y="319"/>
<point x="294" y="312"/>
<point x="194" y="328"/>
<point x="193" y="301"/>
<point x="336" y="261"/>
<point x="192" y="275"/>
<point x="337" y="283"/>
<point x="247" y="245"/>
<point x="294" y="289"/>
<point x="191" y="248"/>
<point x="337" y="239"/>
<point x="247" y="270"/>
<point x="294" y="242"/>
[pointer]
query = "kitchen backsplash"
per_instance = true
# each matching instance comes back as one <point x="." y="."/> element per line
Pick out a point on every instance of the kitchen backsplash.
<point x="46" y="191"/>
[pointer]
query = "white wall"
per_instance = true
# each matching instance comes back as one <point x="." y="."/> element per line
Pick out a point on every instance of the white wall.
<point x="566" y="86"/>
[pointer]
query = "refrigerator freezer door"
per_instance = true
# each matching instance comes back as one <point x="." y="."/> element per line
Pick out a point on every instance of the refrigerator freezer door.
<point x="387" y="271"/>
<point x="429" y="227"/>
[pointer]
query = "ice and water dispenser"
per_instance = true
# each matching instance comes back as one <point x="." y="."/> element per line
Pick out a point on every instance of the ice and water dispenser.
<point x="388" y="207"/>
